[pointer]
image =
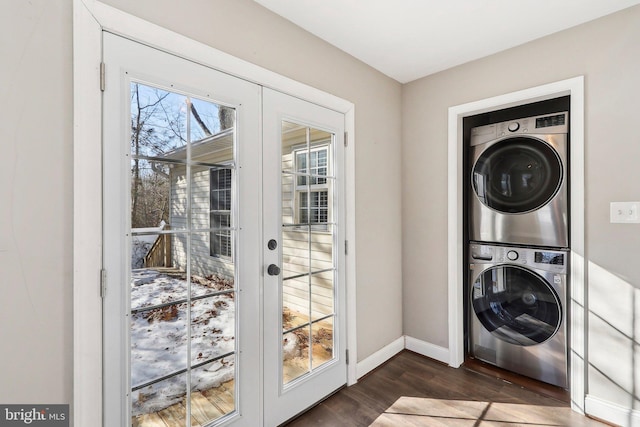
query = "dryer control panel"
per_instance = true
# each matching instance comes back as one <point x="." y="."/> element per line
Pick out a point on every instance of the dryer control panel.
<point x="557" y="123"/>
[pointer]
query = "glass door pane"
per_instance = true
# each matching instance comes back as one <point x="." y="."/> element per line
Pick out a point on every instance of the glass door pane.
<point x="308" y="266"/>
<point x="181" y="240"/>
<point x="183" y="277"/>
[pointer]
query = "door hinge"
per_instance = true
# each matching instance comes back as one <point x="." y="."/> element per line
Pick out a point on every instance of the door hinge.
<point x="102" y="83"/>
<point x="103" y="283"/>
<point x="346" y="247"/>
<point x="346" y="139"/>
<point x="347" y="356"/>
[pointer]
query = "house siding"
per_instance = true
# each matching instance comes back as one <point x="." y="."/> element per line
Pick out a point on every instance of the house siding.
<point x="302" y="251"/>
<point x="202" y="262"/>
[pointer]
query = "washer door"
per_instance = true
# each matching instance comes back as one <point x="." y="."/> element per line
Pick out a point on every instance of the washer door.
<point x="516" y="305"/>
<point x="517" y="175"/>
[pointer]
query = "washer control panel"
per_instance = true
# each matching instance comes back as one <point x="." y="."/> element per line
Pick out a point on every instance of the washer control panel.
<point x="540" y="258"/>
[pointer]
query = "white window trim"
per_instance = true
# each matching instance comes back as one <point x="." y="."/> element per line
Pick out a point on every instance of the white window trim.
<point x="90" y="18"/>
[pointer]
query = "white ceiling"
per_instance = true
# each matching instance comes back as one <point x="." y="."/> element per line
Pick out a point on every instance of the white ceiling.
<point x="409" y="39"/>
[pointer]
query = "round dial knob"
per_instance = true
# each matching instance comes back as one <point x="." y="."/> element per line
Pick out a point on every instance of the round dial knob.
<point x="512" y="255"/>
<point x="513" y="126"/>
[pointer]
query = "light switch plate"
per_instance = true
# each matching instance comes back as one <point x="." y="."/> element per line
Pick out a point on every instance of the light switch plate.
<point x="624" y="212"/>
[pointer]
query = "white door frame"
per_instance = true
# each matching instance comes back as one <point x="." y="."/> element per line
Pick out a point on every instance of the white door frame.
<point x="577" y="281"/>
<point x="90" y="18"/>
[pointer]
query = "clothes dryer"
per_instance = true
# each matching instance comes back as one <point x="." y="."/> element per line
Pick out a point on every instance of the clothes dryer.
<point x="518" y="310"/>
<point x="519" y="191"/>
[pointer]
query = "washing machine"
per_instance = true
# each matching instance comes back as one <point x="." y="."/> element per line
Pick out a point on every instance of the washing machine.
<point x="519" y="191"/>
<point x="517" y="318"/>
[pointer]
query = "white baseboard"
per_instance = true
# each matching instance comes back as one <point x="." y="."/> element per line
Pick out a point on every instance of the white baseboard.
<point x="421" y="347"/>
<point x="611" y="412"/>
<point x="379" y="357"/>
<point x="424" y="348"/>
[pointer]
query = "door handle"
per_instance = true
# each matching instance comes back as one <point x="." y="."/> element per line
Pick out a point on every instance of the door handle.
<point x="273" y="270"/>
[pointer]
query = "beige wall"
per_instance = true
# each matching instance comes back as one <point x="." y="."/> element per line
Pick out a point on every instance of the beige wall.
<point x="36" y="202"/>
<point x="606" y="53"/>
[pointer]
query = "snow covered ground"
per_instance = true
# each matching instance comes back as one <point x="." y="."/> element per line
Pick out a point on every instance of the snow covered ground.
<point x="160" y="337"/>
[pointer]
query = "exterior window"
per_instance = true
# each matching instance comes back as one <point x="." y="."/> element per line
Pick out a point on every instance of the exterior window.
<point x="220" y="213"/>
<point x="312" y="187"/>
<point x="314" y="207"/>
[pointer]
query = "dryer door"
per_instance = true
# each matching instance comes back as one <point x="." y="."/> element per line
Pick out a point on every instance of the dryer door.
<point x="516" y="305"/>
<point x="517" y="175"/>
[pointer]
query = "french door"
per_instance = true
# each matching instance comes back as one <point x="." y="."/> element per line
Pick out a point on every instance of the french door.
<point x="223" y="222"/>
<point x="304" y="292"/>
<point x="181" y="241"/>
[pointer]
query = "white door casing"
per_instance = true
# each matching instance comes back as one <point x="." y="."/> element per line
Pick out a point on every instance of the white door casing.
<point x="576" y="326"/>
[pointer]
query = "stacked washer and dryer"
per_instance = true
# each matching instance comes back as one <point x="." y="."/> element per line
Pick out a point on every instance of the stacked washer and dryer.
<point x="519" y="246"/>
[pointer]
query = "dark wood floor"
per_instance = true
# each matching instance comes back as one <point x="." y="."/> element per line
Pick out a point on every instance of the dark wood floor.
<point x="411" y="390"/>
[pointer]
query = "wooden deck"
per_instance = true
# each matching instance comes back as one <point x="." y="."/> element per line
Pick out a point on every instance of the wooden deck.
<point x="206" y="406"/>
<point x="210" y="405"/>
<point x="321" y="345"/>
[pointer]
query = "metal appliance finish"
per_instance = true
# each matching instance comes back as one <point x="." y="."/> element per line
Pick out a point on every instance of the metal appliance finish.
<point x="518" y="310"/>
<point x="519" y="182"/>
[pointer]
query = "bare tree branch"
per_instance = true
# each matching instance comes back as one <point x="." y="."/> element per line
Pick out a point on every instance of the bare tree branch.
<point x="202" y="124"/>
